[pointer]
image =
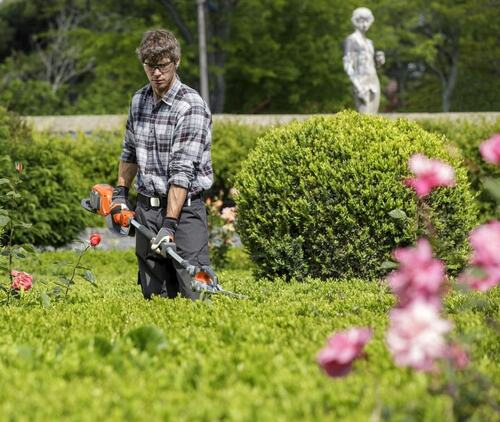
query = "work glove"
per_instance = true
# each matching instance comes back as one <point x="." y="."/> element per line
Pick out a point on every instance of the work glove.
<point x="165" y="235"/>
<point x="120" y="197"/>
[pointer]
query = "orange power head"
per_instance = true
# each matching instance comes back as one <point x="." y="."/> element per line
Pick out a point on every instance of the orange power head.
<point x="100" y="199"/>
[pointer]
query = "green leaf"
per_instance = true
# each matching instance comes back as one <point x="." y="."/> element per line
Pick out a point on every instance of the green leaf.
<point x="13" y="194"/>
<point x="24" y="225"/>
<point x="65" y="281"/>
<point x="55" y="292"/>
<point x="45" y="300"/>
<point x="388" y="265"/>
<point x="398" y="214"/>
<point x="89" y="276"/>
<point x="6" y="182"/>
<point x="29" y="248"/>
<point x="4" y="220"/>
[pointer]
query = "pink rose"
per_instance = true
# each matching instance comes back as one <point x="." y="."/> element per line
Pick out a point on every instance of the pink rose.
<point x="490" y="149"/>
<point x="21" y="280"/>
<point x="485" y="260"/>
<point x="487" y="279"/>
<point x="94" y="239"/>
<point x="485" y="240"/>
<point x="228" y="214"/>
<point x="420" y="275"/>
<point x="342" y="348"/>
<point x="429" y="174"/>
<point x="416" y="335"/>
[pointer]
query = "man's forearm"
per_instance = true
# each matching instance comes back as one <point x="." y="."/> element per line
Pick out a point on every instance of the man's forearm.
<point x="126" y="173"/>
<point x="175" y="201"/>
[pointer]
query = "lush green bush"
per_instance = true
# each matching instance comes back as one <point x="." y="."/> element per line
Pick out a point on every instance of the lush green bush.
<point x="107" y="354"/>
<point x="231" y="143"/>
<point x="97" y="155"/>
<point x="315" y="197"/>
<point x="50" y="185"/>
<point x="467" y="136"/>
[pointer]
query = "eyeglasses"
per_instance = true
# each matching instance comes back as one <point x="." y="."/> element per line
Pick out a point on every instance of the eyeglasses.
<point x="162" y="67"/>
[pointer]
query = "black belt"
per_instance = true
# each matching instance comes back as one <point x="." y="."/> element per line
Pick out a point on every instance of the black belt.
<point x="161" y="201"/>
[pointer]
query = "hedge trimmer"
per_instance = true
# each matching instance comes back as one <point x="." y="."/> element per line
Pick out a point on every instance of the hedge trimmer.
<point x="121" y="220"/>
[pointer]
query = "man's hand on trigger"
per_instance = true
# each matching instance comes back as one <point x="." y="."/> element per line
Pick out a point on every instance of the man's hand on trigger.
<point x="165" y="235"/>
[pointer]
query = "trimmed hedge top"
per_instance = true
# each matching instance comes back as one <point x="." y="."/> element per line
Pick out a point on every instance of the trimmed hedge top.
<point x="314" y="197"/>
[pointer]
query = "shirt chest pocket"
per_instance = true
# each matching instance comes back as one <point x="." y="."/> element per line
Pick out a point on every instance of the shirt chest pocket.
<point x="143" y="132"/>
<point x="165" y="135"/>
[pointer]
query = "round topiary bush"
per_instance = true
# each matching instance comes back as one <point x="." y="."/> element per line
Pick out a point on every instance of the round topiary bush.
<point x="315" y="197"/>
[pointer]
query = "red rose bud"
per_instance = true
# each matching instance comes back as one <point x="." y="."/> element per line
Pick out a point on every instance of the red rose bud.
<point x="21" y="280"/>
<point x="19" y="167"/>
<point x="94" y="239"/>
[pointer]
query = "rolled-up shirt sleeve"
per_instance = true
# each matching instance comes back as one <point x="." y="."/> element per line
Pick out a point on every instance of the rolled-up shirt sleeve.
<point x="128" y="149"/>
<point x="190" y="139"/>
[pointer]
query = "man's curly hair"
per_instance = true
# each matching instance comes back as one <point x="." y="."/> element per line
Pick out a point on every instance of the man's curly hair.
<point x="158" y="44"/>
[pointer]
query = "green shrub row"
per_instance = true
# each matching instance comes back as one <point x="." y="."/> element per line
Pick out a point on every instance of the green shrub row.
<point x="231" y="143"/>
<point x="60" y="170"/>
<point x="107" y="354"/>
<point x="467" y="136"/>
<point x="50" y="185"/>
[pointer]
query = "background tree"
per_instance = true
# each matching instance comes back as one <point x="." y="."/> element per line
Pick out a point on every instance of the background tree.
<point x="265" y="56"/>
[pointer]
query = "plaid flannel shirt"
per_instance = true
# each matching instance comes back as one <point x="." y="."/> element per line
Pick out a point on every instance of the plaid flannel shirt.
<point x="170" y="141"/>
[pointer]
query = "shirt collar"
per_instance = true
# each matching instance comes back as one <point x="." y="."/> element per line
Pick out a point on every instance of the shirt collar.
<point x="168" y="98"/>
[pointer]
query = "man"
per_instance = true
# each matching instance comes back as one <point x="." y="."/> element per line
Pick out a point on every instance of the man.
<point x="167" y="146"/>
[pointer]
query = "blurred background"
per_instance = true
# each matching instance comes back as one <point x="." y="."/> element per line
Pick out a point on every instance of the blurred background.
<point x="264" y="56"/>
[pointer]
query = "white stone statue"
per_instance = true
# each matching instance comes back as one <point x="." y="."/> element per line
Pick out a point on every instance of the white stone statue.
<point x="360" y="61"/>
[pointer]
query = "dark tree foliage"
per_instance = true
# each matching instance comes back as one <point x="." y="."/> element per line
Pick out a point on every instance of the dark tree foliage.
<point x="265" y="56"/>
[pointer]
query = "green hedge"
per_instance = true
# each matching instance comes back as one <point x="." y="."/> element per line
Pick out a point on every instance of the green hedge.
<point x="314" y="197"/>
<point x="107" y="354"/>
<point x="97" y="155"/>
<point x="85" y="159"/>
<point x="467" y="136"/>
<point x="61" y="169"/>
<point x="51" y="181"/>
<point x="231" y="143"/>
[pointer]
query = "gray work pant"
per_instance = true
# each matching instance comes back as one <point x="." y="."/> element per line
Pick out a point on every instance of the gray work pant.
<point x="163" y="276"/>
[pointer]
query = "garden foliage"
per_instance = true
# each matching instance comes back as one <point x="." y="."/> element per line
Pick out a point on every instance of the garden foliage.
<point x="60" y="170"/>
<point x="106" y="354"/>
<point x="318" y="198"/>
<point x="467" y="136"/>
<point x="50" y="188"/>
<point x="231" y="143"/>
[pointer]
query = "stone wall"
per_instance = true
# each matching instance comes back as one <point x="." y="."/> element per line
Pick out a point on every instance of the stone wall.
<point x="117" y="122"/>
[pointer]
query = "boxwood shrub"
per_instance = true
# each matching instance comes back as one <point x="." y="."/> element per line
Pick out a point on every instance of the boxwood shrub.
<point x="314" y="197"/>
<point x="467" y="136"/>
<point x="231" y="143"/>
<point x="51" y="182"/>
